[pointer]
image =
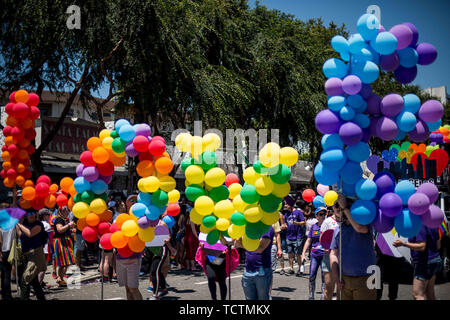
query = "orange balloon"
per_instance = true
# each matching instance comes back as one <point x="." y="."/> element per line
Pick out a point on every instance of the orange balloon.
<point x="72" y="191"/>
<point x="117" y="161"/>
<point x="100" y="155"/>
<point x="20" y="180"/>
<point x="164" y="165"/>
<point x="21" y="96"/>
<point x="24" y="143"/>
<point x="50" y="201"/>
<point x="6" y="165"/>
<point x="10" y="140"/>
<point x="92" y="219"/>
<point x="27" y="123"/>
<point x="421" y="148"/>
<point x="119" y="240"/>
<point x="23" y="154"/>
<point x="121" y="218"/>
<point x="65" y="184"/>
<point x="93" y="143"/>
<point x="135" y="244"/>
<point x="145" y="168"/>
<point x="11" y="121"/>
<point x="20" y="168"/>
<point x="81" y="223"/>
<point x="106" y="216"/>
<point x="24" y="204"/>
<point x="29" y="183"/>
<point x="9" y="183"/>
<point x="53" y="188"/>
<point x="6" y="156"/>
<point x="70" y="203"/>
<point x="28" y="193"/>
<point x="413" y="146"/>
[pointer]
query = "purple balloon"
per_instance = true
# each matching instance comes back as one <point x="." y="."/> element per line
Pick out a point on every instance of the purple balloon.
<point x="415" y="33"/>
<point x="391" y="105"/>
<point x="143" y="129"/>
<point x="405" y="75"/>
<point x="391" y="204"/>
<point x="153" y="223"/>
<point x="130" y="150"/>
<point x="79" y="170"/>
<point x="427" y="53"/>
<point x="333" y="87"/>
<point x="385" y="183"/>
<point x="433" y="217"/>
<point x="382" y="223"/>
<point x="418" y="203"/>
<point x="351" y="84"/>
<point x="403" y="34"/>
<point x="372" y="163"/>
<point x="90" y="174"/>
<point x="373" y="126"/>
<point x="366" y="135"/>
<point x="143" y="222"/>
<point x="420" y="132"/>
<point x="106" y="179"/>
<point x="387" y="129"/>
<point x="327" y="122"/>
<point x="431" y="111"/>
<point x="390" y="62"/>
<point x="373" y="104"/>
<point x="366" y="91"/>
<point x="350" y="133"/>
<point x="430" y="190"/>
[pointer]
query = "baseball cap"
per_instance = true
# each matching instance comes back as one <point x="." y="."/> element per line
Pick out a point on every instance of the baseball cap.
<point x="320" y="209"/>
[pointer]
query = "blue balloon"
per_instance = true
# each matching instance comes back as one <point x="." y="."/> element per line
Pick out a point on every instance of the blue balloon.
<point x="362" y="120"/>
<point x="145" y="198"/>
<point x="358" y="152"/>
<point x="351" y="172"/>
<point x="162" y="209"/>
<point x="339" y="44"/>
<point x="361" y="108"/>
<point x="345" y="56"/>
<point x="368" y="26"/>
<point x="433" y="126"/>
<point x="408" y="57"/>
<point x="330" y="141"/>
<point x="99" y="186"/>
<point x="405" y="189"/>
<point x="119" y="123"/>
<point x="153" y="212"/>
<point x="407" y="224"/>
<point x="355" y="101"/>
<point x="334" y="68"/>
<point x="406" y="121"/>
<point x="127" y="133"/>
<point x="364" y="54"/>
<point x="385" y="43"/>
<point x="355" y="43"/>
<point x="347" y="113"/>
<point x="335" y="103"/>
<point x="348" y="189"/>
<point x="318" y="201"/>
<point x="400" y="135"/>
<point x="170" y="221"/>
<point x="411" y="103"/>
<point x="333" y="159"/>
<point x="81" y="185"/>
<point x="367" y="71"/>
<point x="324" y="175"/>
<point x="375" y="55"/>
<point x="363" y="211"/>
<point x="139" y="209"/>
<point x="366" y="189"/>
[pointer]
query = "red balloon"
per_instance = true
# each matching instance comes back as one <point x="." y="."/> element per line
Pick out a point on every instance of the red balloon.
<point x="7" y="131"/>
<point x="13" y="149"/>
<point x="155" y="138"/>
<point x="173" y="209"/>
<point x="17" y="133"/>
<point x="9" y="108"/>
<point x="230" y="179"/>
<point x="34" y="112"/>
<point x="31" y="149"/>
<point x="145" y="156"/>
<point x="42" y="190"/>
<point x="21" y="110"/>
<point x="12" y="97"/>
<point x="86" y="159"/>
<point x="156" y="147"/>
<point x="3" y="174"/>
<point x="308" y="195"/>
<point x="89" y="234"/>
<point x="103" y="227"/>
<point x="44" y="179"/>
<point x="106" y="169"/>
<point x="61" y="200"/>
<point x="140" y="143"/>
<point x="125" y="252"/>
<point x="105" y="241"/>
<point x="4" y="148"/>
<point x="38" y="203"/>
<point x="30" y="134"/>
<point x="33" y="99"/>
<point x="11" y="173"/>
<point x="113" y="228"/>
<point x="27" y="174"/>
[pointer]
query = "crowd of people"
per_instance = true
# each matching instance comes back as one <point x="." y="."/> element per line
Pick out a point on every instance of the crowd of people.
<point x="328" y="238"/>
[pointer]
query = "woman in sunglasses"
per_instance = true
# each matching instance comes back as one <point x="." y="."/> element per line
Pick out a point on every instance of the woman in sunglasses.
<point x="317" y="250"/>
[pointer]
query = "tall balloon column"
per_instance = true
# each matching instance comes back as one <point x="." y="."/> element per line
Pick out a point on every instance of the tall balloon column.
<point x="355" y="114"/>
<point x="222" y="206"/>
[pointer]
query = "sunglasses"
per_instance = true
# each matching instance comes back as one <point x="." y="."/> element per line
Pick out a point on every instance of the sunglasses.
<point x="321" y="214"/>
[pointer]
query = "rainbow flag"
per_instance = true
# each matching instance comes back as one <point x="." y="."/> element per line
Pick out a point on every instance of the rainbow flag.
<point x="443" y="230"/>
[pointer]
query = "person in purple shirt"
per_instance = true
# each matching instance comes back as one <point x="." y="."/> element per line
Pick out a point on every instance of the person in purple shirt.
<point x="427" y="261"/>
<point x="295" y="235"/>
<point x="258" y="268"/>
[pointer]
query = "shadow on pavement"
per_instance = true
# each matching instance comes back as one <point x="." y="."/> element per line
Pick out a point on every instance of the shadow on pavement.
<point x="284" y="289"/>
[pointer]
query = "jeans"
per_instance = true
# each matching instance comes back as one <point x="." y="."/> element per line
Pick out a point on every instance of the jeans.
<point x="256" y="284"/>
<point x="313" y="269"/>
<point x="5" y="269"/>
<point x="424" y="271"/>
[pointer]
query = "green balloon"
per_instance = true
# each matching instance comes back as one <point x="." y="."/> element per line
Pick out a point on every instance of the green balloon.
<point x="160" y="198"/>
<point x="87" y="196"/>
<point x="282" y="175"/>
<point x="261" y="169"/>
<point x="258" y="166"/>
<point x="249" y="194"/>
<point x="269" y="203"/>
<point x="103" y="196"/>
<point x="238" y="219"/>
<point x="405" y="145"/>
<point x="255" y="230"/>
<point x="213" y="237"/>
<point x="219" y="193"/>
<point x="114" y="134"/>
<point x="77" y="198"/>
<point x="209" y="158"/>
<point x="225" y="234"/>
<point x="194" y="191"/>
<point x="118" y="145"/>
<point x="209" y="221"/>
<point x="186" y="163"/>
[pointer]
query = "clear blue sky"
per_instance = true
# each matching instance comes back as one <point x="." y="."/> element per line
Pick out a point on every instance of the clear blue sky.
<point x="431" y="17"/>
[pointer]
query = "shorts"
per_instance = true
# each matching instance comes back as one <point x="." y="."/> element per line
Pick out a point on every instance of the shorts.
<point x="128" y="272"/>
<point x="326" y="263"/>
<point x="273" y="256"/>
<point x="295" y="246"/>
<point x="79" y="242"/>
<point x="427" y="271"/>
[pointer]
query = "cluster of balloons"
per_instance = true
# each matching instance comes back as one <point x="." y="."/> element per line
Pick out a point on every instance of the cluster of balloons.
<point x="440" y="136"/>
<point x="324" y="198"/>
<point x="356" y="114"/>
<point x="19" y="132"/>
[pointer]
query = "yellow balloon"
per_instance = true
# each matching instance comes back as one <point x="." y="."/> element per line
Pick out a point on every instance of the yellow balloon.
<point x="250" y="175"/>
<point x="206" y="230"/>
<point x="130" y="228"/>
<point x="187" y="183"/>
<point x="107" y="143"/>
<point x="215" y="177"/>
<point x="196" y="146"/>
<point x="239" y="204"/>
<point x="140" y="184"/>
<point x="81" y="210"/>
<point x="195" y="217"/>
<point x="222" y="224"/>
<point x="281" y="190"/>
<point x="253" y="214"/>
<point x="204" y="205"/>
<point x="98" y="206"/>
<point x="330" y="198"/>
<point x="264" y="185"/>
<point x="195" y="174"/>
<point x="288" y="156"/>
<point x="270" y="155"/>
<point x="151" y="184"/>
<point x="250" y="244"/>
<point x="223" y="209"/>
<point x="269" y="218"/>
<point x="146" y="235"/>
<point x="184" y="142"/>
<point x="104" y="134"/>
<point x="174" y="196"/>
<point x="211" y="142"/>
<point x="235" y="232"/>
<point x="235" y="189"/>
<point x="167" y="183"/>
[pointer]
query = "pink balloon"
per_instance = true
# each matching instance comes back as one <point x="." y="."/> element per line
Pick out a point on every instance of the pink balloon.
<point x="322" y="189"/>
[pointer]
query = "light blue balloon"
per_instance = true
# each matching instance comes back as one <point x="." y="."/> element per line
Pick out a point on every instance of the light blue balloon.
<point x="139" y="209"/>
<point x="127" y="133"/>
<point x="351" y="172"/>
<point x="339" y="44"/>
<point x="119" y="123"/>
<point x="433" y="126"/>
<point x="348" y="189"/>
<point x="407" y="224"/>
<point x="325" y="176"/>
<point x="99" y="186"/>
<point x="170" y="221"/>
<point x="366" y="189"/>
<point x="355" y="101"/>
<point x="355" y="43"/>
<point x="400" y="135"/>
<point x="408" y="57"/>
<point x="368" y="26"/>
<point x="362" y="120"/>
<point x="405" y="189"/>
<point x="145" y="198"/>
<point x="364" y="54"/>
<point x="162" y="209"/>
<point x="358" y="152"/>
<point x="363" y="211"/>
<point x="347" y="113"/>
<point x="335" y="103"/>
<point x="411" y="103"/>
<point x="81" y="185"/>
<point x="375" y="55"/>
<point x="153" y="212"/>
<point x="318" y="201"/>
<point x="361" y="108"/>
<point x="330" y="141"/>
<point x="345" y="56"/>
<point x="333" y="159"/>
<point x="367" y="71"/>
<point x="406" y="121"/>
<point x="334" y="68"/>
<point x="385" y="43"/>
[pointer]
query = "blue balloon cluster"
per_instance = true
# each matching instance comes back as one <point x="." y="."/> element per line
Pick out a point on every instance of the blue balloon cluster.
<point x="149" y="207"/>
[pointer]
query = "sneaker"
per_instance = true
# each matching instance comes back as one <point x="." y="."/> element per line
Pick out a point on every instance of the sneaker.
<point x="302" y="269"/>
<point x="299" y="274"/>
<point x="311" y="298"/>
<point x="291" y="271"/>
<point x="152" y="297"/>
<point x="282" y="272"/>
<point x="150" y="289"/>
